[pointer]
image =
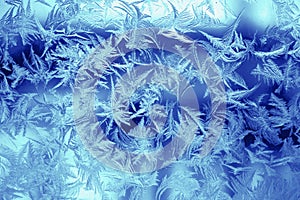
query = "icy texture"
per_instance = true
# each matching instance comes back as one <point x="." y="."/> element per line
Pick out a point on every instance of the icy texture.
<point x="255" y="46"/>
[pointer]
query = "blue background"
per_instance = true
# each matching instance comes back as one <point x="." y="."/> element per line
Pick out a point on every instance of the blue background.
<point x="256" y="47"/>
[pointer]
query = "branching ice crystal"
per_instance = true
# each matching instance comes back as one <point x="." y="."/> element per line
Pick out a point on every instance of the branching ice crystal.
<point x="43" y="45"/>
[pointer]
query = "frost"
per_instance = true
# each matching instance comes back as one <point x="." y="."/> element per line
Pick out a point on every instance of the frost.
<point x="41" y="51"/>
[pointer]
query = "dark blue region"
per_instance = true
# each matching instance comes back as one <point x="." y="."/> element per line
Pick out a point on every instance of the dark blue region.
<point x="21" y="51"/>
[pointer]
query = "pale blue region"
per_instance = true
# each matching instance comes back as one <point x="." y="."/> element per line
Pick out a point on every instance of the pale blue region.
<point x="256" y="47"/>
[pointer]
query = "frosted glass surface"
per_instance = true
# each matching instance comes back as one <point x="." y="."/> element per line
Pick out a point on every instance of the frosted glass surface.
<point x="150" y="99"/>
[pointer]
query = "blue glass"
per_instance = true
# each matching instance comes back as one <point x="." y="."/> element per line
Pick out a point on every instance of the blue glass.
<point x="214" y="86"/>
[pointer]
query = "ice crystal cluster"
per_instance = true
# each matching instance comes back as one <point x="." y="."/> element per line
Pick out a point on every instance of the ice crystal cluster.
<point x="254" y="46"/>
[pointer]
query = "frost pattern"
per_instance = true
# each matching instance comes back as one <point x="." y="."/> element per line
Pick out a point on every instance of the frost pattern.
<point x="41" y="156"/>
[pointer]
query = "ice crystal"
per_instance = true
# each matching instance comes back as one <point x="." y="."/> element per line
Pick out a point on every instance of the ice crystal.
<point x="43" y="45"/>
